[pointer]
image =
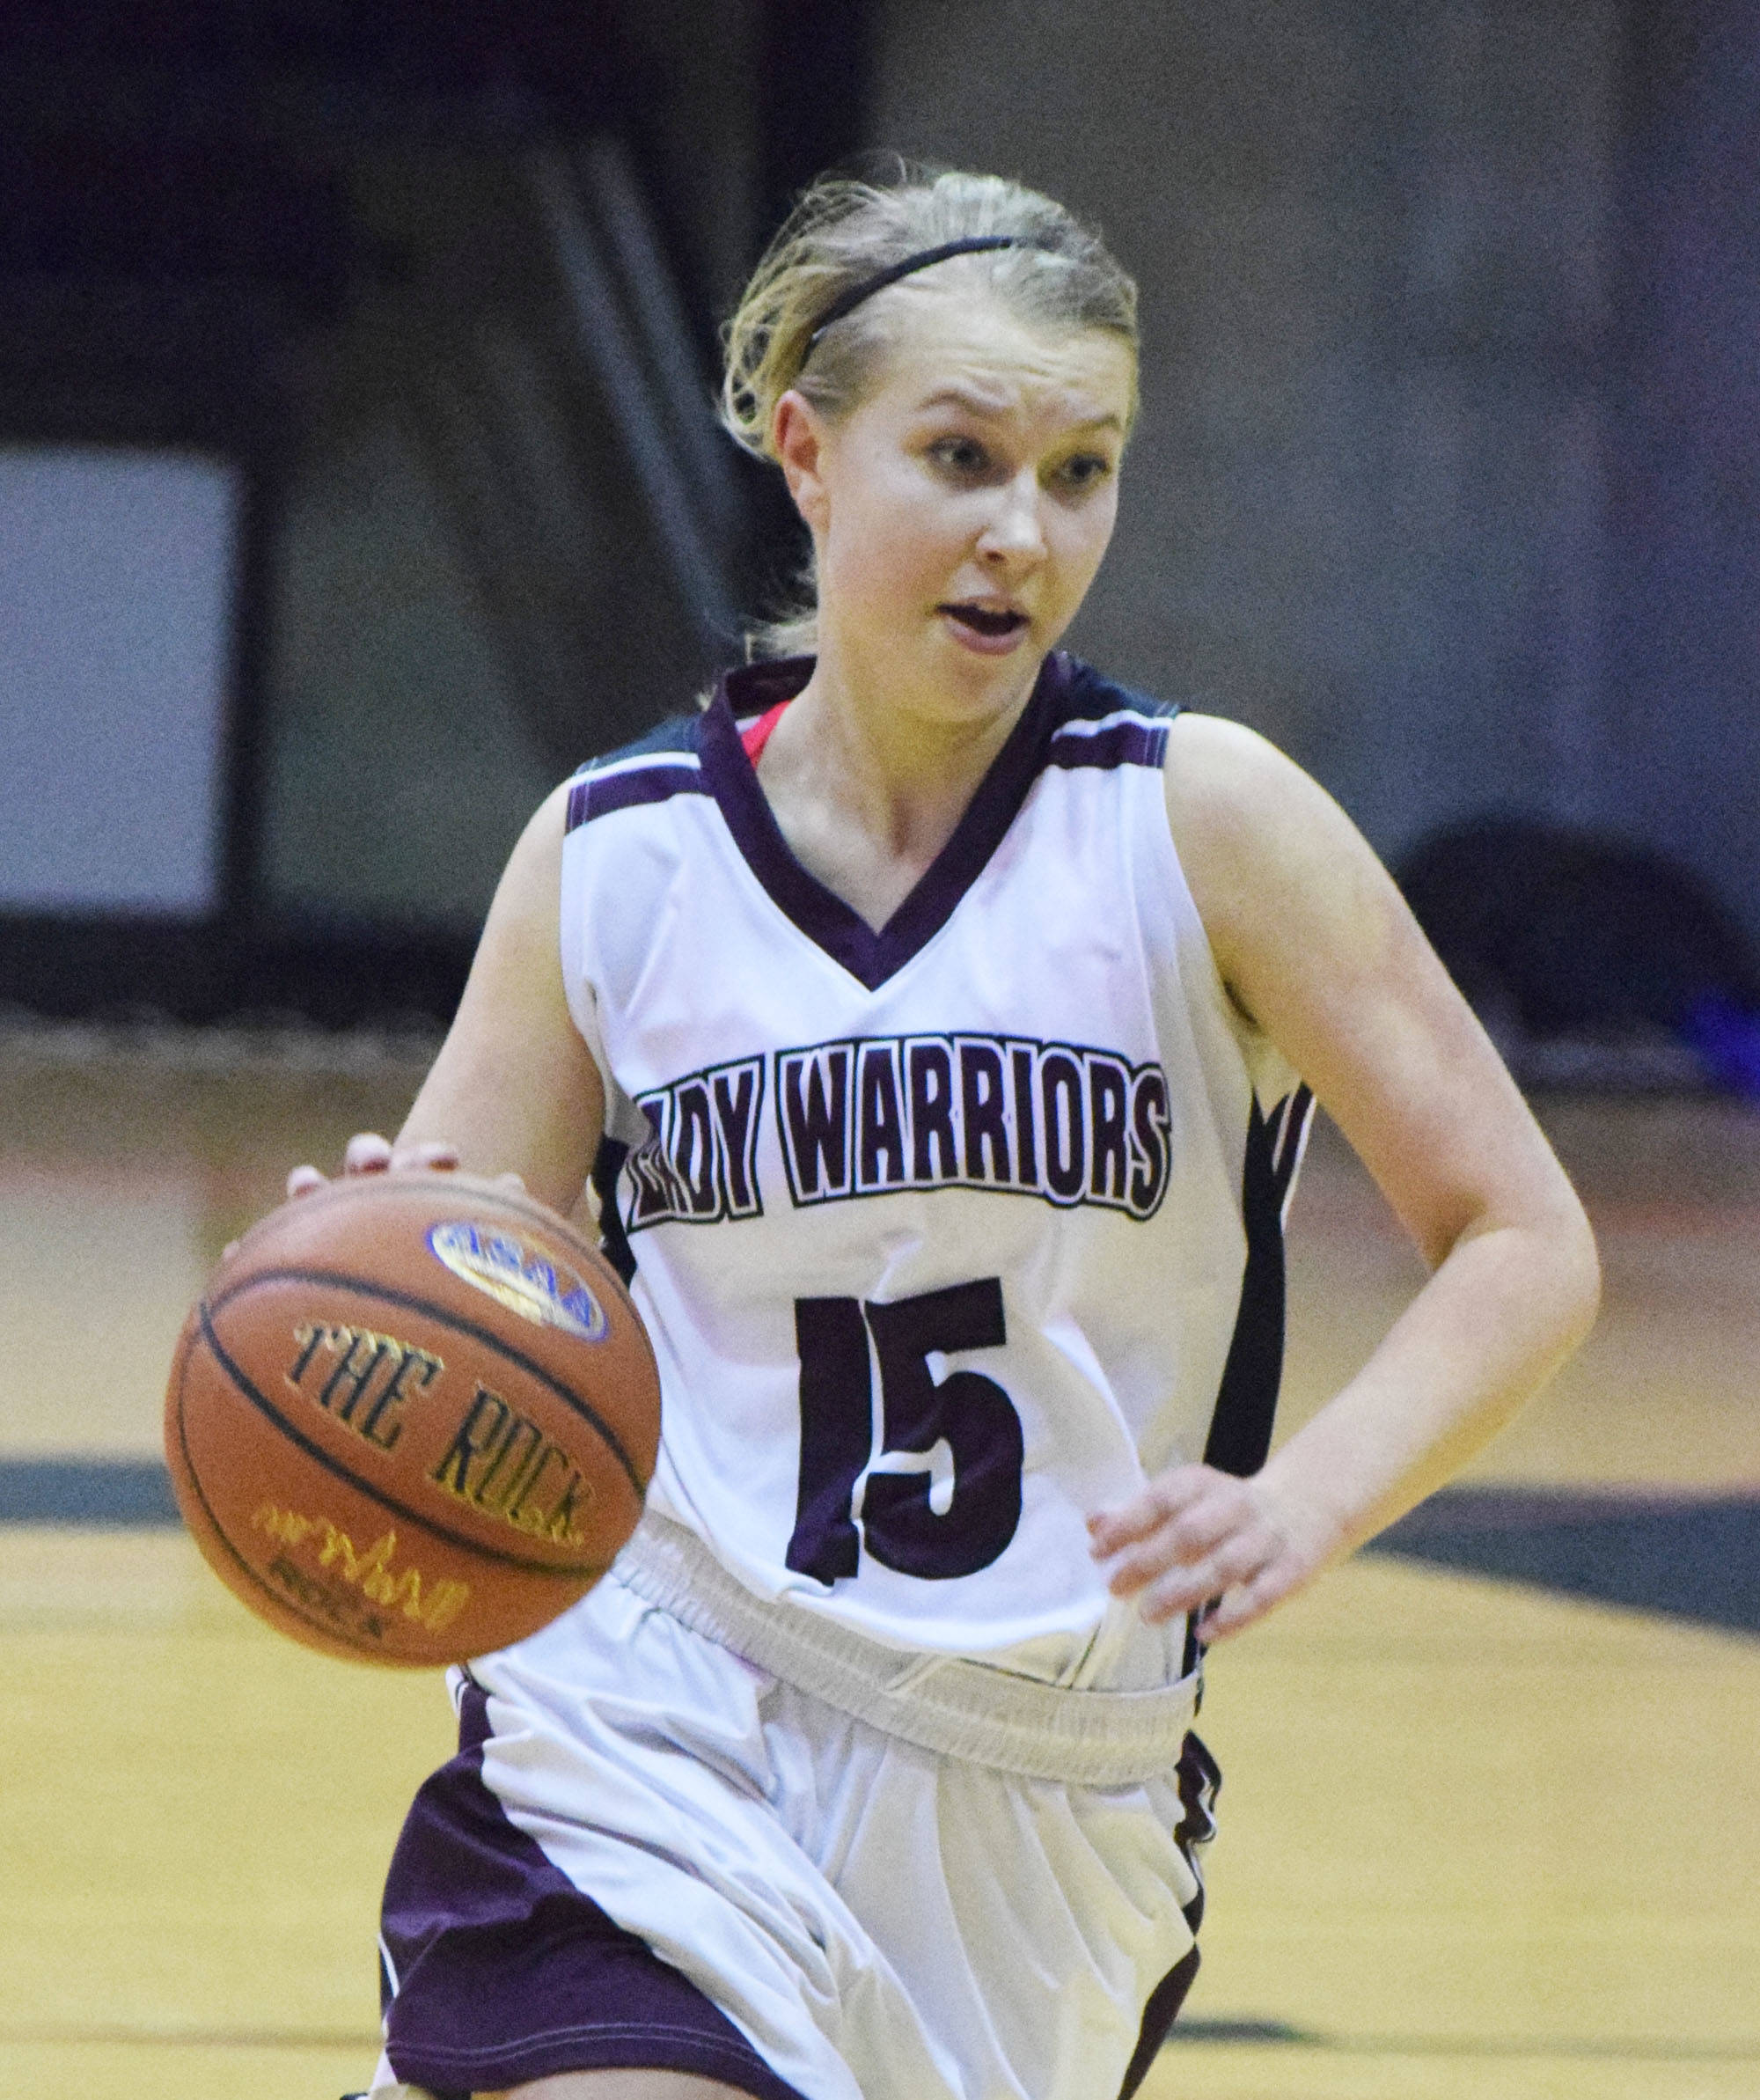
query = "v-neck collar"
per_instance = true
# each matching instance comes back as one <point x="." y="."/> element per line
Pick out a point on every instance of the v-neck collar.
<point x="844" y="935"/>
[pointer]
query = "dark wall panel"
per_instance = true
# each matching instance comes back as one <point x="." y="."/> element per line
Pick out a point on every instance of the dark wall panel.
<point x="1684" y="651"/>
<point x="1428" y="487"/>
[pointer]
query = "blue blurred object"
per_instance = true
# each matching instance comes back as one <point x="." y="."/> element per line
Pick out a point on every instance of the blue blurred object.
<point x="1726" y="1036"/>
<point x="1567" y="941"/>
<point x="1685" y="1554"/>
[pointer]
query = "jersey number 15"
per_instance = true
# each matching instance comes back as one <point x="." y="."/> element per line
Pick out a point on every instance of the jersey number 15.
<point x="938" y="1492"/>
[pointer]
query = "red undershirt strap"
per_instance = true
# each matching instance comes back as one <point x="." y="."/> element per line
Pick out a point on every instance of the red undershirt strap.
<point x="756" y="734"/>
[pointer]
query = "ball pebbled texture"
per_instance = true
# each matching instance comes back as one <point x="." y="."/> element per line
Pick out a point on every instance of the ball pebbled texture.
<point x="412" y="1418"/>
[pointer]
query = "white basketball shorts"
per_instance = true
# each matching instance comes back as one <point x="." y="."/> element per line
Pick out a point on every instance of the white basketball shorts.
<point x="648" y="1853"/>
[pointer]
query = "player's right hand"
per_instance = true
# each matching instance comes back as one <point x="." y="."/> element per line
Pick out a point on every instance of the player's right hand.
<point x="369" y="1153"/>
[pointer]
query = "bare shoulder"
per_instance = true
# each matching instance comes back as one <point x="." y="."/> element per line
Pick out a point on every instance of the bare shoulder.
<point x="514" y="1087"/>
<point x="1267" y="851"/>
<point x="518" y="963"/>
<point x="1212" y="759"/>
<point x="518" y="958"/>
<point x="1316" y="945"/>
<point x="532" y="877"/>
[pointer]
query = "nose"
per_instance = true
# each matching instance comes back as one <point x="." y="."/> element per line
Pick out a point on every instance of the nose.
<point x="1013" y="538"/>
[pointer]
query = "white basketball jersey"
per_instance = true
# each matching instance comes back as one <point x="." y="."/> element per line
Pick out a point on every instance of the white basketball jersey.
<point x="945" y="1235"/>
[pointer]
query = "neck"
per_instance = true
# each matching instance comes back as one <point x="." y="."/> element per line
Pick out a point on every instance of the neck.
<point x="900" y="762"/>
<point x="867" y="778"/>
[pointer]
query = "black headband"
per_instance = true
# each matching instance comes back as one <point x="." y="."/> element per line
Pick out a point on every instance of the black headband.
<point x="848" y="301"/>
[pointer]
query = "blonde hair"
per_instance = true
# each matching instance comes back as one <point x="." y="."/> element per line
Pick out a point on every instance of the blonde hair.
<point x="844" y="230"/>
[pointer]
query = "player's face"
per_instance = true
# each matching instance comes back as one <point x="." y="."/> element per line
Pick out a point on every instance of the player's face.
<point x="961" y="510"/>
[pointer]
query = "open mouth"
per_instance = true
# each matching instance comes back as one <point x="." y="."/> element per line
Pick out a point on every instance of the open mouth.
<point x="983" y="620"/>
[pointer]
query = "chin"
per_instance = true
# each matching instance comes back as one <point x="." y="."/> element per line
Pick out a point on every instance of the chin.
<point x="978" y="683"/>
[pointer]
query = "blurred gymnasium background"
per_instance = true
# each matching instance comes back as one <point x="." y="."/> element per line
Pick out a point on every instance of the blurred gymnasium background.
<point x="358" y="478"/>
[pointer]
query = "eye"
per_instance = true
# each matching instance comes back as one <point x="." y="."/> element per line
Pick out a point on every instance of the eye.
<point x="962" y="455"/>
<point x="1084" y="471"/>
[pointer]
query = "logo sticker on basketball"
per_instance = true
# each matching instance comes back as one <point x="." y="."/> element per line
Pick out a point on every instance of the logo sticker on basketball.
<point x="520" y="1277"/>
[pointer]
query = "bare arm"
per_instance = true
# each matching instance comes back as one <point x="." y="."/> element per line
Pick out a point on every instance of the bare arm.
<point x="1316" y="945"/>
<point x="514" y="1089"/>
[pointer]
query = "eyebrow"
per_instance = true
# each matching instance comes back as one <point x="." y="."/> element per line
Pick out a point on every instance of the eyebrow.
<point x="959" y="397"/>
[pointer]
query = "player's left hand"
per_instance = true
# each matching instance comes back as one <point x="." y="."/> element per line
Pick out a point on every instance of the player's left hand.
<point x="1195" y="1540"/>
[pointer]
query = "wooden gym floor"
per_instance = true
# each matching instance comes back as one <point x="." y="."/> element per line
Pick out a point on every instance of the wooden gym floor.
<point x="1482" y="1839"/>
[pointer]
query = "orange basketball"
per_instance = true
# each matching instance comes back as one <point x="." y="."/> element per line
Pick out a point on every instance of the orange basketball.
<point x="412" y="1418"/>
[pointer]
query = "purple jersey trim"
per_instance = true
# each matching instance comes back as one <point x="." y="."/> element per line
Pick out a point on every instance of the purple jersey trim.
<point x="869" y="956"/>
<point x="598" y="795"/>
<point x="504" y="1972"/>
<point x="1120" y="744"/>
<point x="659" y="768"/>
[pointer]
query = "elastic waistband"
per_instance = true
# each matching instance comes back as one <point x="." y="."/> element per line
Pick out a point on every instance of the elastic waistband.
<point x="948" y="1705"/>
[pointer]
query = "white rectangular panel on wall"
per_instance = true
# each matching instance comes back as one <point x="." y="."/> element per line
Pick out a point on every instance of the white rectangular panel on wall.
<point x="117" y="573"/>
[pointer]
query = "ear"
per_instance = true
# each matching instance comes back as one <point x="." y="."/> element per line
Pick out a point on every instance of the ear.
<point x="797" y="434"/>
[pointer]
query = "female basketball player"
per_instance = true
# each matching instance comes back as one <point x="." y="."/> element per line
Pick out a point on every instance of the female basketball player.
<point x="933" y="1008"/>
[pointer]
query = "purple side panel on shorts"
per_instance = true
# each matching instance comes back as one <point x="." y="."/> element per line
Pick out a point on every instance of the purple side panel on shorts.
<point x="1199" y="1779"/>
<point x="1158" y="2017"/>
<point x="505" y="1972"/>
